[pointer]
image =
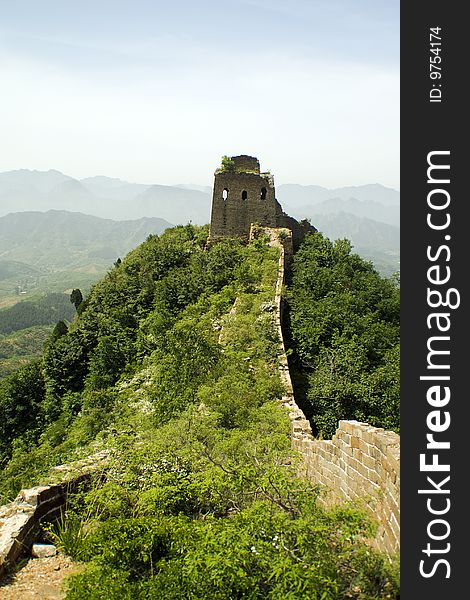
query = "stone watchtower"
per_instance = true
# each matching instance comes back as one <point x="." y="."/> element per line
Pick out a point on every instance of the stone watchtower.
<point x="242" y="196"/>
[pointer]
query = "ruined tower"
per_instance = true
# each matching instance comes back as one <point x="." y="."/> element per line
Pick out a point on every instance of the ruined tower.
<point x="242" y="196"/>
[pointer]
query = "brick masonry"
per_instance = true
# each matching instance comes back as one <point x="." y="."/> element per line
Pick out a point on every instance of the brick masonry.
<point x="360" y="464"/>
<point x="20" y="520"/>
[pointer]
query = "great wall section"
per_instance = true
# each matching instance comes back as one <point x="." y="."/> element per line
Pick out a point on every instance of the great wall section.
<point x="20" y="520"/>
<point x="360" y="464"/>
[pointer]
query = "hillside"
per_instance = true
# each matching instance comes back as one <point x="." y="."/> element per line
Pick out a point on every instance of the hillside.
<point x="104" y="197"/>
<point x="368" y="216"/>
<point x="43" y="311"/>
<point x="344" y="328"/>
<point x="54" y="251"/>
<point x="60" y="239"/>
<point x="369" y="209"/>
<point x="171" y="366"/>
<point x="25" y="327"/>
<point x="22" y="347"/>
<point x="373" y="240"/>
<point x="361" y="231"/>
<point x="295" y="195"/>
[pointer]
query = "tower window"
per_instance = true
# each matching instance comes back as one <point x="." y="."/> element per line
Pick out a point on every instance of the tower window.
<point x="225" y="194"/>
<point x="263" y="193"/>
<point x="244" y="195"/>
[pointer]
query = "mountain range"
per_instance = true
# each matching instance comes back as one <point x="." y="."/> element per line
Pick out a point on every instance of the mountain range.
<point x="368" y="215"/>
<point x="58" y="239"/>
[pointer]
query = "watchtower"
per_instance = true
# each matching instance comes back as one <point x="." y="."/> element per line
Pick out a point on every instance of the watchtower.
<point x="242" y="196"/>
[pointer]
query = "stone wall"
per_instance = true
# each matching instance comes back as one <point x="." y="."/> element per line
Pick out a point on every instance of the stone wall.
<point x="244" y="162"/>
<point x="20" y="520"/>
<point x="360" y="463"/>
<point x="232" y="212"/>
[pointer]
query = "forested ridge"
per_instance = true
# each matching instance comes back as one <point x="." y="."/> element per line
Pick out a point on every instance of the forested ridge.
<point x="201" y="499"/>
<point x="43" y="311"/>
<point x="26" y="326"/>
<point x="344" y="326"/>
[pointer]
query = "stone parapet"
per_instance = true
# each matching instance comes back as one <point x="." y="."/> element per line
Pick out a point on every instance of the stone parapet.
<point x="360" y="464"/>
<point x="20" y="520"/>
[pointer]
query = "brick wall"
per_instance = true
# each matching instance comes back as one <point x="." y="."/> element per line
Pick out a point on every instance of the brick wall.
<point x="20" y="520"/>
<point x="360" y="463"/>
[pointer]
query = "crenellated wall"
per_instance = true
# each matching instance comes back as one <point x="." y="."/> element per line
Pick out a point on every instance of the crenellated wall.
<point x="360" y="463"/>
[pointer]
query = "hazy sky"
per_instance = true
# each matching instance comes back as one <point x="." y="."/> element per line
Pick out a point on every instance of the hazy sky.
<point x="157" y="92"/>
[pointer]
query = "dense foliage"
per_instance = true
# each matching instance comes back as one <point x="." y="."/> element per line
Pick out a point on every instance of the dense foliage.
<point x="21" y="398"/>
<point x="344" y="320"/>
<point x="201" y="498"/>
<point x="44" y="311"/>
<point x="21" y="347"/>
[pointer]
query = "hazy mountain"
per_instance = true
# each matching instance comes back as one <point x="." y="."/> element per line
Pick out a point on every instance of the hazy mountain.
<point x="174" y="204"/>
<point x="24" y="179"/>
<point x="111" y="187"/>
<point x="28" y="190"/>
<point x="359" y="208"/>
<point x="371" y="201"/>
<point x="13" y="268"/>
<point x="361" y="231"/>
<point x="192" y="186"/>
<point x="61" y="239"/>
<point x="101" y="196"/>
<point x="113" y="198"/>
<point x="299" y="195"/>
<point x="354" y="212"/>
<point x="70" y="194"/>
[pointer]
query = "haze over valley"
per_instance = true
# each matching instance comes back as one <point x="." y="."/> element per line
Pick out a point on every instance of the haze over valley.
<point x="368" y="215"/>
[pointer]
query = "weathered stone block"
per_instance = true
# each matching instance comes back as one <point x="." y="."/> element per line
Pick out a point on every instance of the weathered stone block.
<point x="43" y="550"/>
<point x="386" y="439"/>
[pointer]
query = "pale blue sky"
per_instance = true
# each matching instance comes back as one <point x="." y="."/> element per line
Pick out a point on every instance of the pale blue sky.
<point x="156" y="92"/>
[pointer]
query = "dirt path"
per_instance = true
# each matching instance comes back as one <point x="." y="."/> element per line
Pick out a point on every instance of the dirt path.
<point x="38" y="579"/>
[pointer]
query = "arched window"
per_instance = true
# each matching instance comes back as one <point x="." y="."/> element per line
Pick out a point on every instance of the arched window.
<point x="225" y="194"/>
<point x="263" y="193"/>
<point x="244" y="195"/>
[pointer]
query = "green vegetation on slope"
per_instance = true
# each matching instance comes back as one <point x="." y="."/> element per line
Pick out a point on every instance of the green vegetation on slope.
<point x="344" y="322"/>
<point x="21" y="347"/>
<point x="43" y="311"/>
<point x="25" y="327"/>
<point x="201" y="499"/>
<point x="43" y="252"/>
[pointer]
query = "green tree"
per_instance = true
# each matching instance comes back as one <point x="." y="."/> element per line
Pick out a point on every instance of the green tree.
<point x="76" y="298"/>
<point x="59" y="330"/>
<point x="227" y="164"/>
<point x="21" y="398"/>
<point x="344" y="321"/>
